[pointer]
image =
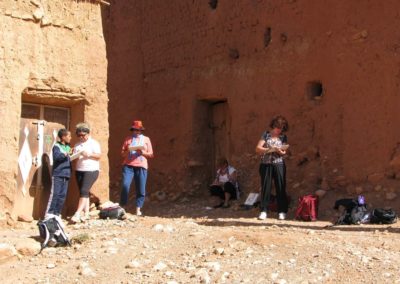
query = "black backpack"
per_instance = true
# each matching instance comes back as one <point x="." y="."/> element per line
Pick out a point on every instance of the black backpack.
<point x="383" y="216"/>
<point x="354" y="213"/>
<point x="52" y="233"/>
<point x="115" y="212"/>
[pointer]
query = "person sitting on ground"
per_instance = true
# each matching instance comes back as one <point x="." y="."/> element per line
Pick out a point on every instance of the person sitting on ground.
<point x="225" y="184"/>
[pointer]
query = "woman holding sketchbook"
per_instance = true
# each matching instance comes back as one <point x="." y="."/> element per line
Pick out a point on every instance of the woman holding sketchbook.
<point x="136" y="149"/>
<point x="272" y="146"/>
<point x="87" y="153"/>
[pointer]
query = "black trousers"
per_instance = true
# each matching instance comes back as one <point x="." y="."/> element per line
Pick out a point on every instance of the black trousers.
<point x="277" y="173"/>
<point x="220" y="190"/>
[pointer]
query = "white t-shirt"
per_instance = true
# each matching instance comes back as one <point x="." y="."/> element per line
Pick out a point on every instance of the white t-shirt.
<point x="83" y="164"/>
<point x="224" y="178"/>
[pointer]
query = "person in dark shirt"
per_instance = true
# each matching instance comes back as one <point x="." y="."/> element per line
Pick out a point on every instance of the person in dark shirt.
<point x="61" y="174"/>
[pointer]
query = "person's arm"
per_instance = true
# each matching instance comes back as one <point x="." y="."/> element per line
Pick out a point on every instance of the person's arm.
<point x="95" y="154"/>
<point x="280" y="151"/>
<point x="233" y="176"/>
<point x="59" y="156"/>
<point x="260" y="149"/>
<point x="148" y="152"/>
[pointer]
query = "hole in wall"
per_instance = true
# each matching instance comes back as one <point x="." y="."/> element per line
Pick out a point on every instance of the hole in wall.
<point x="315" y="90"/>
<point x="213" y="4"/>
<point x="267" y="36"/>
<point x="234" y="53"/>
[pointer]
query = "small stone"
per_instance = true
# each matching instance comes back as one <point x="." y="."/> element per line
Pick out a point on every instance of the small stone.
<point x="38" y="14"/>
<point x="160" y="195"/>
<point x="159" y="266"/>
<point x="51" y="266"/>
<point x="7" y="252"/>
<point x="158" y="228"/>
<point x="390" y="195"/>
<point x="213" y="266"/>
<point x="203" y="276"/>
<point x="46" y="21"/>
<point x="359" y="189"/>
<point x="320" y="193"/>
<point x="133" y="264"/>
<point x="25" y="218"/>
<point x="28" y="247"/>
<point x="219" y="251"/>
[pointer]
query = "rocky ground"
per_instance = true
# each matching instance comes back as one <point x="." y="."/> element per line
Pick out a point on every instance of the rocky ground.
<point x="190" y="242"/>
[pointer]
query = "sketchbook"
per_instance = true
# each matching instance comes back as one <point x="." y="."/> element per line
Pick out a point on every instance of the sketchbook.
<point x="251" y="199"/>
<point x="134" y="148"/>
<point x="75" y="155"/>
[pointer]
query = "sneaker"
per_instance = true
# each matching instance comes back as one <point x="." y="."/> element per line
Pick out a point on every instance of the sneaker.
<point x="138" y="212"/>
<point x="263" y="215"/>
<point x="282" y="216"/>
<point x="76" y="218"/>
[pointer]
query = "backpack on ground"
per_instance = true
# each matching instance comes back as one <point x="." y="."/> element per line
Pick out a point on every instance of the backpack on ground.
<point x="356" y="211"/>
<point x="307" y="209"/>
<point x="383" y="216"/>
<point x="52" y="233"/>
<point x="114" y="212"/>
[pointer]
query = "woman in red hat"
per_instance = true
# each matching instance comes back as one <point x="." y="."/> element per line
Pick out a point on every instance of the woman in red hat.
<point x="136" y="149"/>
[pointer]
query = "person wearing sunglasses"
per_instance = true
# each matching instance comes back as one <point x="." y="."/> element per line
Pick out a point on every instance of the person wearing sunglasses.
<point x="87" y="169"/>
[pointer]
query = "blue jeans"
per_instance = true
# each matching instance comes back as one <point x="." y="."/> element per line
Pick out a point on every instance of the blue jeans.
<point x="139" y="174"/>
<point x="57" y="196"/>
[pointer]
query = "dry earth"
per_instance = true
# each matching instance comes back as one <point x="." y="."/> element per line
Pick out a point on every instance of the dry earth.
<point x="187" y="242"/>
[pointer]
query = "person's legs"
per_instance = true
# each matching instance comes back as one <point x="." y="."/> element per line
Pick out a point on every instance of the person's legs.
<point x="229" y="193"/>
<point x="87" y="179"/>
<point x="62" y="194"/>
<point x="140" y="177"/>
<point x="217" y="190"/>
<point x="52" y="205"/>
<point x="266" y="186"/>
<point x="279" y="175"/>
<point x="127" y="176"/>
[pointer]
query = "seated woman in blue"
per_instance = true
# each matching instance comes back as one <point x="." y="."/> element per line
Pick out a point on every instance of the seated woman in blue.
<point x="225" y="184"/>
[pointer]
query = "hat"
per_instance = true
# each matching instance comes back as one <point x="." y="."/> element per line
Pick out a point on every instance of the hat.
<point x="137" y="124"/>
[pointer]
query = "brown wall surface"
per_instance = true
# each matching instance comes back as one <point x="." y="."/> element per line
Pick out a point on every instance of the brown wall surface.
<point x="56" y="48"/>
<point x="179" y="57"/>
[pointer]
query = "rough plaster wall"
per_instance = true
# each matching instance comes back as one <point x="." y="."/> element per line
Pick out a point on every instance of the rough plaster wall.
<point x="345" y="141"/>
<point x="57" y="40"/>
<point x="122" y="26"/>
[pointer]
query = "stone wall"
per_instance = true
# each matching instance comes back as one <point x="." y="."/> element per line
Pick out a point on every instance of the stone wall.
<point x="56" y="48"/>
<point x="330" y="67"/>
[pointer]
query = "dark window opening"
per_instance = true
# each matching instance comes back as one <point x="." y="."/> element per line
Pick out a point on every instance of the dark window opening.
<point x="315" y="90"/>
<point x="213" y="4"/>
<point x="234" y="53"/>
<point x="267" y="37"/>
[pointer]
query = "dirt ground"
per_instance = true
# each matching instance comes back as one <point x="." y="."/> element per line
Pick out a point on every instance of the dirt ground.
<point x="191" y="242"/>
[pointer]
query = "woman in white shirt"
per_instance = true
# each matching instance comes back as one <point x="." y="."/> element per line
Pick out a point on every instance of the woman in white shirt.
<point x="225" y="184"/>
<point x="87" y="169"/>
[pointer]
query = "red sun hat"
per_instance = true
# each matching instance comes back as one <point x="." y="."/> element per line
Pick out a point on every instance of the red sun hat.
<point x="137" y="125"/>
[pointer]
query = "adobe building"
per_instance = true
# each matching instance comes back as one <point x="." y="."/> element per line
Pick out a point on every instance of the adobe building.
<point x="207" y="76"/>
<point x="53" y="74"/>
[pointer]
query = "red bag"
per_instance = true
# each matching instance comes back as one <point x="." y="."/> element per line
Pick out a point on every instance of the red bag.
<point x="307" y="209"/>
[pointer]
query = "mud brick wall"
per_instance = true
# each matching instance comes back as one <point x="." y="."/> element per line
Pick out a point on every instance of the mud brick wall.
<point x="331" y="67"/>
<point x="57" y="47"/>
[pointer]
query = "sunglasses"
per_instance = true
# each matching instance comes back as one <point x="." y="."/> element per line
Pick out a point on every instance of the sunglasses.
<point x="81" y="134"/>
